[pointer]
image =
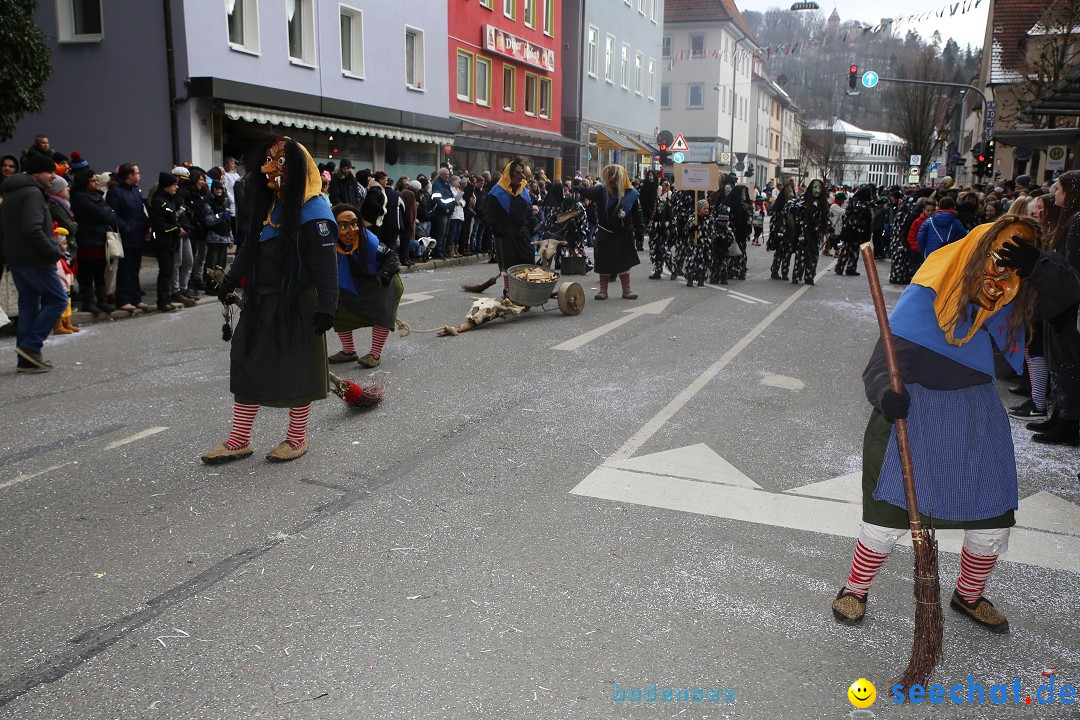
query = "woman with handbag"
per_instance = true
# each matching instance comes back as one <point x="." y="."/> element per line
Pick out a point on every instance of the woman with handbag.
<point x="96" y="220"/>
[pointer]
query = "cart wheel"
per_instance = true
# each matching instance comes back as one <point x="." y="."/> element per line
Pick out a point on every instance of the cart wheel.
<point x="571" y="298"/>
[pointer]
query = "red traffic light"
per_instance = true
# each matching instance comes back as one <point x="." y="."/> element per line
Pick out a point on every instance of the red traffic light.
<point x="854" y="68"/>
<point x="663" y="147"/>
<point x="982" y="158"/>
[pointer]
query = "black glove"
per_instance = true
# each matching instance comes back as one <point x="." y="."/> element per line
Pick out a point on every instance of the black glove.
<point x="1020" y="255"/>
<point x="323" y="322"/>
<point x="225" y="292"/>
<point x="895" y="406"/>
<point x="385" y="279"/>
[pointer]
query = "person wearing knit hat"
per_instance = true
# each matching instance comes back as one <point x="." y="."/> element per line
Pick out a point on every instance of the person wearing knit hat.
<point x="61" y="161"/>
<point x="166" y="235"/>
<point x="31" y="252"/>
<point x="181" y="171"/>
<point x="166" y="180"/>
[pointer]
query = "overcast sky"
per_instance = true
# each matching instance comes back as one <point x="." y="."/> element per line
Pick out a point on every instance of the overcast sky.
<point x="968" y="28"/>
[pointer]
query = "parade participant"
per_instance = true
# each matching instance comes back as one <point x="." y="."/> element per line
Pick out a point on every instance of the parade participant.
<point x="967" y="297"/>
<point x="681" y="209"/>
<point x="289" y="271"/>
<point x="721" y="240"/>
<point x="650" y="192"/>
<point x="369" y="282"/>
<point x="741" y="213"/>
<point x="619" y="228"/>
<point x="809" y="221"/>
<point x="661" y="235"/>
<point x="854" y="230"/>
<point x="696" y="235"/>
<point x="907" y="212"/>
<point x="778" y="233"/>
<point x="508" y="213"/>
<point x="759" y="218"/>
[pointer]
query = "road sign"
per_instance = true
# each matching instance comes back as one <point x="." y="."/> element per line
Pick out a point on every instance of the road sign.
<point x="678" y="157"/>
<point x="697" y="177"/>
<point x="913" y="173"/>
<point x="915" y="160"/>
<point x="869" y="79"/>
<point x="680" y="144"/>
<point x="1055" y="157"/>
<point x="725" y="158"/>
<point x="991" y="115"/>
<point x="790" y="163"/>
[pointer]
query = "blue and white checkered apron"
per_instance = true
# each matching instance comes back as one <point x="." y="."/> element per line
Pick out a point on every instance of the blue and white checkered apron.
<point x="962" y="450"/>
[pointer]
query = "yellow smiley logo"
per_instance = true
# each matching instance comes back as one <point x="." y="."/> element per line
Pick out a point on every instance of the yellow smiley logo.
<point x="862" y="693"/>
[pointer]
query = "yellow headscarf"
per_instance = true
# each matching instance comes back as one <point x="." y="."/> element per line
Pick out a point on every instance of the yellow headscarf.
<point x="943" y="272"/>
<point x="504" y="181"/>
<point x="313" y="186"/>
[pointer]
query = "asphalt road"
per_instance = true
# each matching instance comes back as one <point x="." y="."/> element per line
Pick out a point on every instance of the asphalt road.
<point x="428" y="558"/>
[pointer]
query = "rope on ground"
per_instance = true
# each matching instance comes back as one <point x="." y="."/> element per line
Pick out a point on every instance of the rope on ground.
<point x="407" y="329"/>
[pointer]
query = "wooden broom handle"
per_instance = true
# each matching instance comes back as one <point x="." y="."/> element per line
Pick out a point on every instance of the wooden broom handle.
<point x="897" y="386"/>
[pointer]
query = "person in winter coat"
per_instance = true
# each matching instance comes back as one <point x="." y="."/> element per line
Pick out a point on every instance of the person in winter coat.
<point x="942" y="228"/>
<point x="369" y="282"/>
<point x="404" y="188"/>
<point x="620" y="229"/>
<point x="442" y="207"/>
<point x="95" y="217"/>
<point x="855" y="227"/>
<point x="219" y="236"/>
<point x="344" y="187"/>
<point x="59" y="199"/>
<point x="127" y="202"/>
<point x="508" y="213"/>
<point x="289" y="270"/>
<point x="167" y="233"/>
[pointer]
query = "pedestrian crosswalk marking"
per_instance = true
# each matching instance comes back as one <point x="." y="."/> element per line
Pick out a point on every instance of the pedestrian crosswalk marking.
<point x="1045" y="534"/>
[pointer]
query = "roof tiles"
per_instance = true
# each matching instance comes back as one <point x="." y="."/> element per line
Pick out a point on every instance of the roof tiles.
<point x="678" y="11"/>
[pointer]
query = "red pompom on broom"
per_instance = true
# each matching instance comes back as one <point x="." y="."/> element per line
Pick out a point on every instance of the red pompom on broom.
<point x="355" y="395"/>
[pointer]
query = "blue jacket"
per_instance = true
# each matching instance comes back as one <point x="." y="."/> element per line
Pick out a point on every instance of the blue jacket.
<point x="942" y="228"/>
<point x="443" y="195"/>
<point x="131" y="215"/>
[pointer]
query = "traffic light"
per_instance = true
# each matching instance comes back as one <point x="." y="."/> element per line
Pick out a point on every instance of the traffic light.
<point x="664" y="154"/>
<point x="853" y="77"/>
<point x="664" y="138"/>
<point x="980" y="164"/>
<point x="989" y="164"/>
<point x="750" y="170"/>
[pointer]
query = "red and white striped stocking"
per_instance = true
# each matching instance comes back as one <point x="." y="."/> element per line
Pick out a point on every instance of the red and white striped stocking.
<point x="974" y="572"/>
<point x="298" y="422"/>
<point x="864" y="566"/>
<point x="243" y="419"/>
<point x="378" y="340"/>
<point x="347" y="344"/>
<point x="625" y="280"/>
<point x="604" y="283"/>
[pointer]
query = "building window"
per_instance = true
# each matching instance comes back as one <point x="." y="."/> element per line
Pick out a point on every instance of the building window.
<point x="414" y="58"/>
<point x="655" y="10"/>
<point x="697" y="96"/>
<point x="629" y="3"/>
<point x="609" y="59"/>
<point x="483" y="82"/>
<point x="530" y="13"/>
<point x="509" y="89"/>
<point x="549" y="18"/>
<point x="485" y="4"/>
<point x="624" y="66"/>
<point x="545" y="98"/>
<point x="300" y="15"/>
<point x="639" y="69"/>
<point x="697" y="46"/>
<point x="665" y="96"/>
<point x="352" y="42"/>
<point x="594" y="50"/>
<point x="667" y="46"/>
<point x="510" y="9"/>
<point x="641" y="7"/>
<point x="79" y="20"/>
<point x="465" y="75"/>
<point x="530" y="94"/>
<point x="652" y="79"/>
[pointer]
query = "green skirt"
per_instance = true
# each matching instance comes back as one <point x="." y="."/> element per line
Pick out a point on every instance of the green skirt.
<point x="879" y="512"/>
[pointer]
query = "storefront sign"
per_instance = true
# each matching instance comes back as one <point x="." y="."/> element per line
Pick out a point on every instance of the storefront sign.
<point x="700" y="152"/>
<point x="503" y="43"/>
<point x="791" y="163"/>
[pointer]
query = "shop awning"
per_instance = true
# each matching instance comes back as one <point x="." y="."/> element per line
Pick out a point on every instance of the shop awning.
<point x="287" y="118"/>
<point x="1063" y="99"/>
<point x="1036" y="139"/>
<point x="608" y="138"/>
<point x="501" y="137"/>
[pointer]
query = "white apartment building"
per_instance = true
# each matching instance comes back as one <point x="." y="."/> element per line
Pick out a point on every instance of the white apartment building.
<point x="863" y="156"/>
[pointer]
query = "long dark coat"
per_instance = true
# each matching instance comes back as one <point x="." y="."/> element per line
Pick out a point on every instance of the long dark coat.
<point x="616" y="238"/>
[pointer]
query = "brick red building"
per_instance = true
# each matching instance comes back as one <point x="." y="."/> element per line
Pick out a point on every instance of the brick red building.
<point x="504" y="61"/>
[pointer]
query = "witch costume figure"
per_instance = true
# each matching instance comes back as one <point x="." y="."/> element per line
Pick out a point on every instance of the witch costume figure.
<point x="967" y="297"/>
<point x="288" y="268"/>
<point x="508" y="212"/>
<point x="369" y="279"/>
<point x="620" y="229"/>
<point x="779" y="233"/>
<point x="854" y="230"/>
<point x="809" y="217"/>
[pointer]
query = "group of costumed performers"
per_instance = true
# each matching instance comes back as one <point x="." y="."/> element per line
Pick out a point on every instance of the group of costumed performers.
<point x="508" y="213"/>
<point x="981" y="291"/>
<point x="620" y="228"/>
<point x="289" y="273"/>
<point x="369" y="280"/>
<point x="566" y="221"/>
<point x="855" y="229"/>
<point x="808" y="222"/>
<point x="671" y="212"/>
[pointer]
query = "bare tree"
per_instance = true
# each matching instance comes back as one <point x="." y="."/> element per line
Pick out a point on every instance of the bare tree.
<point x="920" y="113"/>
<point x="1053" y="48"/>
<point x="824" y="147"/>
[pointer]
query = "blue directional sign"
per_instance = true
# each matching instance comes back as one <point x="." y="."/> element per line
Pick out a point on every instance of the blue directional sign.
<point x="869" y="79"/>
<point x="678" y="157"/>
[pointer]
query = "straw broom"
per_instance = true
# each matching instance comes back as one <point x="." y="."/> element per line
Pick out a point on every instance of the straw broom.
<point x="926" y="645"/>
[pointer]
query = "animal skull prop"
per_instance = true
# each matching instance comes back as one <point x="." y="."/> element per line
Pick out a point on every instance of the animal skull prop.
<point x="485" y="309"/>
<point x="548" y="247"/>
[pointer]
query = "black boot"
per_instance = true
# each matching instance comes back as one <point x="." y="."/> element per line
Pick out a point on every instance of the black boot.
<point x="701" y="282"/>
<point x="689" y="282"/>
<point x="1066" y="432"/>
<point x="1045" y="425"/>
<point x="655" y="276"/>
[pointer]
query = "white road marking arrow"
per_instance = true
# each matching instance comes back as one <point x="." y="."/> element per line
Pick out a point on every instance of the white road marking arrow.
<point x="410" y="298"/>
<point x="654" y="308"/>
<point x="695" y="479"/>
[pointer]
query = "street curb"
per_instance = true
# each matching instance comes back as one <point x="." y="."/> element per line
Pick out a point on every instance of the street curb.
<point x="450" y="262"/>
